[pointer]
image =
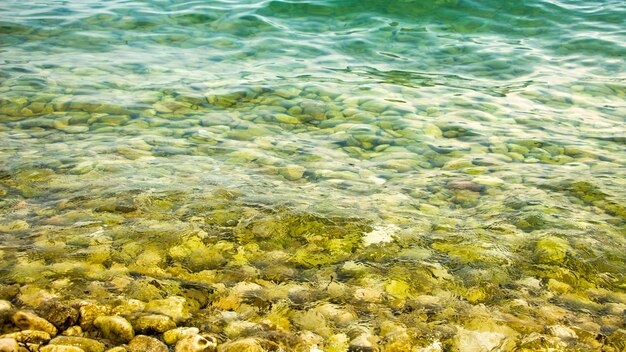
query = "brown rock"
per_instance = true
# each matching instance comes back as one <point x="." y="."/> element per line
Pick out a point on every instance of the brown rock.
<point x="59" y="314"/>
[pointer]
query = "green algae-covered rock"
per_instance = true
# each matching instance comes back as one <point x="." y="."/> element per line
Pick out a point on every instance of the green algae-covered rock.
<point x="551" y="250"/>
<point x="153" y="323"/>
<point x="115" y="328"/>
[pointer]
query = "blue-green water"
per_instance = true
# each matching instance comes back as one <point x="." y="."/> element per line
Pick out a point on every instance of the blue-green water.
<point x="392" y="175"/>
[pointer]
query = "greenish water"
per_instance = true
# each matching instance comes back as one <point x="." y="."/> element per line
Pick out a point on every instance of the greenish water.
<point x="445" y="174"/>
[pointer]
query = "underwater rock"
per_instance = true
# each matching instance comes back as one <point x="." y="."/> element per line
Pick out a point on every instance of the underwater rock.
<point x="87" y="344"/>
<point x="59" y="314"/>
<point x="29" y="321"/>
<point x="73" y="331"/>
<point x="364" y="343"/>
<point x="89" y="312"/>
<point x="60" y="348"/>
<point x="14" y="226"/>
<point x="244" y="345"/>
<point x="293" y="172"/>
<point x="153" y="323"/>
<point x="195" y="343"/>
<point x="31" y="336"/>
<point x="6" y="310"/>
<point x="551" y="250"/>
<point x="477" y="341"/>
<point x="172" y="336"/>
<point x="174" y="307"/>
<point x="8" y="345"/>
<point x="115" y="328"/>
<point x="143" y="343"/>
<point x="117" y="349"/>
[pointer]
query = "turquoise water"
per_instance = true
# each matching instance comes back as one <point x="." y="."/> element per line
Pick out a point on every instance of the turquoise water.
<point x="405" y="174"/>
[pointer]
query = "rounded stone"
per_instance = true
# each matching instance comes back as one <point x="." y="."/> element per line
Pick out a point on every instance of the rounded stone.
<point x="73" y="331"/>
<point x="154" y="323"/>
<point x="29" y="321"/>
<point x="293" y="172"/>
<point x="143" y="343"/>
<point x="244" y="345"/>
<point x="115" y="328"/>
<point x="60" y="348"/>
<point x="61" y="315"/>
<point x="172" y="336"/>
<point x="195" y="343"/>
<point x="89" y="312"/>
<point x="117" y="349"/>
<point x="30" y="336"/>
<point x="88" y="345"/>
<point x="8" y="345"/>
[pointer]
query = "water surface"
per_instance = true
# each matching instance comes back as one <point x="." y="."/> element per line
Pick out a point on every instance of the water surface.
<point x="408" y="174"/>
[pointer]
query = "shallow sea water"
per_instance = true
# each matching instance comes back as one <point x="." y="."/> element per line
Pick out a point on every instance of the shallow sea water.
<point x="343" y="175"/>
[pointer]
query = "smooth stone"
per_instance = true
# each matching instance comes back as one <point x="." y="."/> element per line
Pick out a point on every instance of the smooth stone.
<point x="249" y="344"/>
<point x="172" y="336"/>
<point x="143" y="343"/>
<point x="115" y="328"/>
<point x="73" y="331"/>
<point x="31" y="336"/>
<point x="87" y="344"/>
<point x="154" y="323"/>
<point x="8" y="345"/>
<point x="117" y="349"/>
<point x="195" y="343"/>
<point x="29" y="321"/>
<point x="59" y="314"/>
<point x="60" y="348"/>
<point x="293" y="172"/>
<point x="174" y="307"/>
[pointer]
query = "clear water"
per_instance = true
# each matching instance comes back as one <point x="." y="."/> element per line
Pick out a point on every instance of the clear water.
<point x="443" y="174"/>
